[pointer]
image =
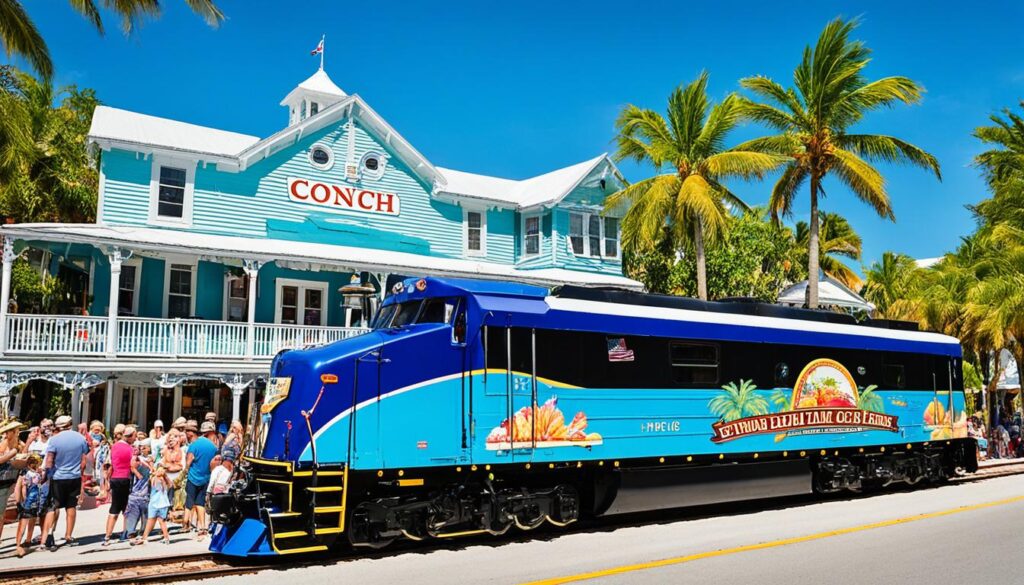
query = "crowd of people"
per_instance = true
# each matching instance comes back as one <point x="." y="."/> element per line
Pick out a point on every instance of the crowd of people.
<point x="148" y="480"/>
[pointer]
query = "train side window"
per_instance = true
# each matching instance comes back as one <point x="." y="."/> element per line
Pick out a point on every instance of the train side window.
<point x="694" y="363"/>
<point x="459" y="327"/>
<point x="433" y="311"/>
<point x="894" y="376"/>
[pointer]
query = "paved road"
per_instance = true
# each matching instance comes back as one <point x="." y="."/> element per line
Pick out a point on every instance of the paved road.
<point x="941" y="535"/>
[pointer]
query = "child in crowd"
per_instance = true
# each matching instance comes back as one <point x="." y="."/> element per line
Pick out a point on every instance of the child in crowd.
<point x="138" y="499"/>
<point x="220" y="479"/>
<point x="158" y="506"/>
<point x="102" y="471"/>
<point x="29" y="495"/>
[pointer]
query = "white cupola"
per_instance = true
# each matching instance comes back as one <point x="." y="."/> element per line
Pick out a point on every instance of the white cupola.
<point x="311" y="97"/>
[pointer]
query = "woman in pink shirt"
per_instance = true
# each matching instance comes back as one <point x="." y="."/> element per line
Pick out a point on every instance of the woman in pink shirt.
<point x="120" y="478"/>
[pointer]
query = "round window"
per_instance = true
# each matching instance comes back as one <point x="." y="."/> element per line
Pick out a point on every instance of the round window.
<point x="321" y="157"/>
<point x="371" y="166"/>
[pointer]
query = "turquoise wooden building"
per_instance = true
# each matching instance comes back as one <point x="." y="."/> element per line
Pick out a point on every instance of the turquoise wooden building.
<point x="214" y="250"/>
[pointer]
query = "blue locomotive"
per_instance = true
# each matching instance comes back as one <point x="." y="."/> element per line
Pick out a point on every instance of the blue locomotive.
<point x="476" y="407"/>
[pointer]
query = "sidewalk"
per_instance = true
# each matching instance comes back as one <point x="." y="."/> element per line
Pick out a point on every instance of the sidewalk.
<point x="89" y="530"/>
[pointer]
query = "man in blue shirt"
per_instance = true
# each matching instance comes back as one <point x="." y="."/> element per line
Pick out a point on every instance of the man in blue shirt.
<point x="199" y="460"/>
<point x="65" y="460"/>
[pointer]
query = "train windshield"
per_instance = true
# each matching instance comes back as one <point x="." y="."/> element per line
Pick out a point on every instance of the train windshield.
<point x="432" y="310"/>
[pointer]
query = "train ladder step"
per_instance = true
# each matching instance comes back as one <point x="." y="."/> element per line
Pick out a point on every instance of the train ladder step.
<point x="285" y="514"/>
<point x="291" y="534"/>
<point x="328" y="509"/>
<point x="330" y="530"/>
<point x="326" y="488"/>
<point x="301" y="549"/>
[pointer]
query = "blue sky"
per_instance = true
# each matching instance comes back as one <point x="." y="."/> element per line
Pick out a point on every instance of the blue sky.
<point x="519" y="88"/>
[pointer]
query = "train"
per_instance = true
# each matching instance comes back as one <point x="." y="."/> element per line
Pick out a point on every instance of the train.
<point x="478" y="407"/>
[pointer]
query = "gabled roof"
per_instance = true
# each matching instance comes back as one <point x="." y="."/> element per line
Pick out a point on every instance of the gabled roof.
<point x="546" y="189"/>
<point x="133" y="128"/>
<point x="319" y="83"/>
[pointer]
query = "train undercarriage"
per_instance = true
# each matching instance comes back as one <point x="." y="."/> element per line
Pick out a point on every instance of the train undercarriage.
<point x="305" y="511"/>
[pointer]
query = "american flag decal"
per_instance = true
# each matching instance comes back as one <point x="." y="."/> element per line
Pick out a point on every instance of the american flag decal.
<point x="617" y="350"/>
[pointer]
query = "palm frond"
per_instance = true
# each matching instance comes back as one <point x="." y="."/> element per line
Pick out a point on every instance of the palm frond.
<point x="864" y="180"/>
<point x="781" y="201"/>
<point x="19" y="36"/>
<point x="743" y="164"/>
<point x="889" y="149"/>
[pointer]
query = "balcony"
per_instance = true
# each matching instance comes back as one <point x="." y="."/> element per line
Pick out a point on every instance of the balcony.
<point x="64" y="335"/>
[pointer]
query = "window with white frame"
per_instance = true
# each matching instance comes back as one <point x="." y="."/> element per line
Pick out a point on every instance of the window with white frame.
<point x="576" y="232"/>
<point x="237" y="307"/>
<point x="474" y="232"/>
<point x="172" y="185"/>
<point x="314" y="108"/>
<point x="611" y="237"/>
<point x="301" y="302"/>
<point x="127" y="290"/>
<point x="593" y="235"/>
<point x="179" y="291"/>
<point x="531" y="235"/>
<point x="171" y="193"/>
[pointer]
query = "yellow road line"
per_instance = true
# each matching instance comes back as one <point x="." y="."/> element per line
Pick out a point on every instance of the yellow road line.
<point x="763" y="545"/>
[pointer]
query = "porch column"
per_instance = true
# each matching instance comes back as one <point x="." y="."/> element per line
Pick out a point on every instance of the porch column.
<point x="177" y="402"/>
<point x="215" y="401"/>
<point x="141" y="396"/>
<point x="115" y="290"/>
<point x="76" y="404"/>
<point x="237" y="387"/>
<point x="86" y="404"/>
<point x="5" y="290"/>
<point x="252" y="270"/>
<point x="108" y="404"/>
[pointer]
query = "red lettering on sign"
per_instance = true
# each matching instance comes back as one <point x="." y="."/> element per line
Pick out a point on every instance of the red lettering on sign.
<point x="343" y="196"/>
<point x="362" y="203"/>
<point x="320" y="188"/>
<point x="295" y="190"/>
<point x="384" y="202"/>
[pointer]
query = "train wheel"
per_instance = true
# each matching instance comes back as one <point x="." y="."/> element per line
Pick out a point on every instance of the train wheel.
<point x="363" y="531"/>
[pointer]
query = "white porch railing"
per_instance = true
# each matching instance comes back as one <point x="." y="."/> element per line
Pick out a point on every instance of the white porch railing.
<point x="177" y="338"/>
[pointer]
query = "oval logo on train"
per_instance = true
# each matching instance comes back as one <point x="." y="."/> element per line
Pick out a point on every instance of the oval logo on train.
<point x="825" y="383"/>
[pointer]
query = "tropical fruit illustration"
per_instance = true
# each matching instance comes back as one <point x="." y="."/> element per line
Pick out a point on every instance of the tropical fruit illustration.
<point x="826" y="392"/>
<point x="544" y="424"/>
<point x="942" y="423"/>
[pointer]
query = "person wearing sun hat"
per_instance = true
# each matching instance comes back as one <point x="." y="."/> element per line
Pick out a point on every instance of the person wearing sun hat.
<point x="9" y="449"/>
<point x="200" y="456"/>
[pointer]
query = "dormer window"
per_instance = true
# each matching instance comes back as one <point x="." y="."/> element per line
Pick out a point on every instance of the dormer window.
<point x="313" y="108"/>
<point x="321" y="156"/>
<point x="302" y="110"/>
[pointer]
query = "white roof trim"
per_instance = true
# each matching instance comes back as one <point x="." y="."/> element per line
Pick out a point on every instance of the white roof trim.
<point x="158" y="240"/>
<point x="540" y="191"/>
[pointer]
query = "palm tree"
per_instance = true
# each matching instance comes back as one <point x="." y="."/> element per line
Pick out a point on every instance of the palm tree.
<point x="19" y="35"/>
<point x="690" y="199"/>
<point x="836" y="238"/>
<point x="1008" y="137"/>
<point x="46" y="172"/>
<point x="868" y="399"/>
<point x="738" y="401"/>
<point x="891" y="286"/>
<point x="814" y="120"/>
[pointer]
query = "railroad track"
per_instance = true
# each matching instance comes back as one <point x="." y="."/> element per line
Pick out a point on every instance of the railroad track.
<point x="205" y="565"/>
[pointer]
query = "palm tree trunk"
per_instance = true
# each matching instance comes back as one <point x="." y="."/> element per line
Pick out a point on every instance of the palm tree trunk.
<point x="702" y="275"/>
<point x="812" y="249"/>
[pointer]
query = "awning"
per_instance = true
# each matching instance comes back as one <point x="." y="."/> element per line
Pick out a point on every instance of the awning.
<point x="831" y="292"/>
<point x="147" y="239"/>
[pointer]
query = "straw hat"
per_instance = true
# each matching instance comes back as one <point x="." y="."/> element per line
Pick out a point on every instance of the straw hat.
<point x="11" y="424"/>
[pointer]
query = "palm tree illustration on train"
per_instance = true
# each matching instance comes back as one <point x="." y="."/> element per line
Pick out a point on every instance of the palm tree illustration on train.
<point x="736" y="402"/>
